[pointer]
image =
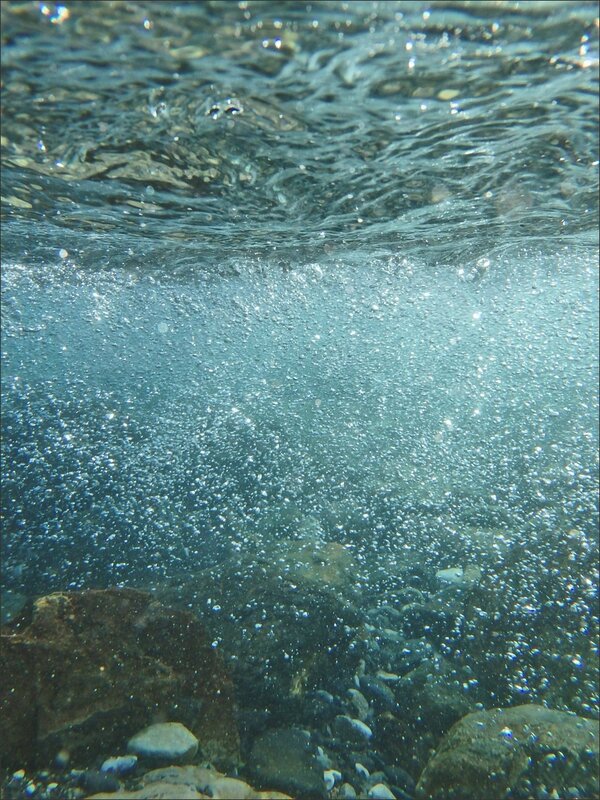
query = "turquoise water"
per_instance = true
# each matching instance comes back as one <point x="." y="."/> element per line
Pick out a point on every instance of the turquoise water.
<point x="321" y="273"/>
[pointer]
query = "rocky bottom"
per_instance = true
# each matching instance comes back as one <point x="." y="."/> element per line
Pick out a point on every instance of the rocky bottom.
<point x="286" y="676"/>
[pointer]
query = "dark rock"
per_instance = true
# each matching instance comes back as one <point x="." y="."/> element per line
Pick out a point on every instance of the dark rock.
<point x="400" y="794"/>
<point x="252" y="722"/>
<point x="286" y="759"/>
<point x="411" y="654"/>
<point x="377" y="691"/>
<point x="517" y="752"/>
<point x="386" y="612"/>
<point x="403" y="742"/>
<point x="400" y="777"/>
<point x="423" y="620"/>
<point x="434" y="695"/>
<point x="319" y="709"/>
<point x="410" y="595"/>
<point x="287" y="621"/>
<point x="359" y="705"/>
<point x="352" y="730"/>
<point x="82" y="671"/>
<point x="94" y="781"/>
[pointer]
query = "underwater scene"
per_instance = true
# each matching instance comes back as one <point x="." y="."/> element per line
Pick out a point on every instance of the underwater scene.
<point x="299" y="400"/>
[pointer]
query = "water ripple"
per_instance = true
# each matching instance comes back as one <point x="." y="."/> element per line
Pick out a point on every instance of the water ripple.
<point x="219" y="129"/>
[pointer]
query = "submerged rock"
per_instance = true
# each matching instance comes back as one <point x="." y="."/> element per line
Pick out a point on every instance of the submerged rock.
<point x="188" y="783"/>
<point x="352" y="730"/>
<point x="381" y="792"/>
<point x="79" y="672"/>
<point x="97" y="781"/>
<point x="433" y="696"/>
<point x="119" y="765"/>
<point x="287" y="759"/>
<point x="158" y="791"/>
<point x="526" y="751"/>
<point x="286" y="620"/>
<point x="169" y="742"/>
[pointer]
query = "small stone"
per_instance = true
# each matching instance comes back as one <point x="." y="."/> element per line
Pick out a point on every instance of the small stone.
<point x="352" y="730"/>
<point x="400" y="778"/>
<point x="230" y="789"/>
<point x="326" y="697"/>
<point x="347" y="791"/>
<point x="62" y="758"/>
<point x="94" y="781"/>
<point x="51" y="786"/>
<point x="448" y="94"/>
<point x="381" y="792"/>
<point x="388" y="677"/>
<point x="322" y="758"/>
<point x="450" y="575"/>
<point x="362" y="770"/>
<point x="331" y="777"/>
<point x="120" y="765"/>
<point x="378" y="692"/>
<point x="165" y="741"/>
<point x="18" y="775"/>
<point x="359" y="703"/>
<point x="472" y="574"/>
<point x="286" y="759"/>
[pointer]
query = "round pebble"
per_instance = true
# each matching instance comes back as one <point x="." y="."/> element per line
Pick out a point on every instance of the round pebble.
<point x="120" y="765"/>
<point x="94" y="781"/>
<point x="331" y="777"/>
<point x="381" y="792"/>
<point x="165" y="741"/>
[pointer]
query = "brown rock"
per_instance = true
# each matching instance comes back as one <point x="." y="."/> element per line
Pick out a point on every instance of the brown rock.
<point x="286" y="629"/>
<point x="189" y="782"/>
<point x="156" y="791"/>
<point x="83" y="671"/>
<point x="514" y="752"/>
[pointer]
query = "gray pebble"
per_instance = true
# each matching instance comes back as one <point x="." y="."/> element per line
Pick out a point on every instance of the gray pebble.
<point x="165" y="741"/>
<point x="120" y="765"/>
<point x="94" y="781"/>
<point x="352" y="730"/>
<point x="381" y="792"/>
<point x="359" y="703"/>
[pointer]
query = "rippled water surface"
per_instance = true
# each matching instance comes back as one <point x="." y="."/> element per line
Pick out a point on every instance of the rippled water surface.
<point x="322" y="272"/>
<point x="190" y="133"/>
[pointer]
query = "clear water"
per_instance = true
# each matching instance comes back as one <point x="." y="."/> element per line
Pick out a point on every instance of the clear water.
<point x="274" y="271"/>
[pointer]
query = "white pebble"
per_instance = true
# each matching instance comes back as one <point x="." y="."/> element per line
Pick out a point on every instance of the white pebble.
<point x="381" y="792"/>
<point x="362" y="771"/>
<point x="331" y="777"/>
<point x="450" y="575"/>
